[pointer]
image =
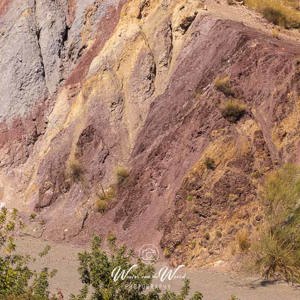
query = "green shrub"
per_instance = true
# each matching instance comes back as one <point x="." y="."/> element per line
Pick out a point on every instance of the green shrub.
<point x="222" y="84"/>
<point x="277" y="254"/>
<point x="96" y="269"/>
<point x="17" y="280"/>
<point x="210" y="163"/>
<point x="233" y="110"/>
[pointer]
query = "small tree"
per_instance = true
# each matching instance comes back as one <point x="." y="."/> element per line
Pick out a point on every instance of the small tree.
<point x="96" y="269"/>
<point x="17" y="280"/>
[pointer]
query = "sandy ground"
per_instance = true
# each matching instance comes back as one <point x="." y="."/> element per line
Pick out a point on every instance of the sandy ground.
<point x="214" y="285"/>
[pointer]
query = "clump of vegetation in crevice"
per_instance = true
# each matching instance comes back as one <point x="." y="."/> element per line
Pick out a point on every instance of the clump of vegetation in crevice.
<point x="122" y="175"/>
<point x="243" y="240"/>
<point x="277" y="252"/>
<point x="104" y="198"/>
<point x="233" y="110"/>
<point x="210" y="163"/>
<point x="76" y="171"/>
<point x="223" y="85"/>
<point x="189" y="197"/>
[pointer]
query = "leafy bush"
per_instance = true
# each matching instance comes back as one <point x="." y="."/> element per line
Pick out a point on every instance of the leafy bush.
<point x="96" y="267"/>
<point x="17" y="280"/>
<point x="222" y="84"/>
<point x="277" y="254"/>
<point x="233" y="110"/>
<point x="280" y="12"/>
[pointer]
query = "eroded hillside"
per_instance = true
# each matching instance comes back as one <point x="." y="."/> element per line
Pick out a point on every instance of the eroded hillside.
<point x="90" y="86"/>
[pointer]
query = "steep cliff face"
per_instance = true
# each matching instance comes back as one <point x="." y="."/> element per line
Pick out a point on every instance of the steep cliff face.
<point x="88" y="86"/>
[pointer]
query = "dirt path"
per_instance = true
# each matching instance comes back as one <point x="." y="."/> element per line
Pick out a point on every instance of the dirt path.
<point x="214" y="285"/>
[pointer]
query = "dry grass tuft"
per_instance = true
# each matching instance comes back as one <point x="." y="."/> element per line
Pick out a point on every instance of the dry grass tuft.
<point x="222" y="84"/>
<point x="76" y="172"/>
<point x="243" y="240"/>
<point x="284" y="13"/>
<point x="122" y="175"/>
<point x="104" y="198"/>
<point x="277" y="251"/>
<point x="233" y="110"/>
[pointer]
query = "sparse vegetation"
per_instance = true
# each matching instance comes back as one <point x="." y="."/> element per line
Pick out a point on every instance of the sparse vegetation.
<point x="231" y="2"/>
<point x="76" y="172"/>
<point x="277" y="254"/>
<point x="207" y="236"/>
<point x="280" y="12"/>
<point x="101" y="205"/>
<point x="223" y="85"/>
<point x="107" y="194"/>
<point x="233" y="110"/>
<point x="189" y="198"/>
<point x="210" y="163"/>
<point x="243" y="240"/>
<point x="218" y="234"/>
<point x="104" y="198"/>
<point x="167" y="252"/>
<point x="32" y="216"/>
<point x="122" y="174"/>
<point x="17" y="280"/>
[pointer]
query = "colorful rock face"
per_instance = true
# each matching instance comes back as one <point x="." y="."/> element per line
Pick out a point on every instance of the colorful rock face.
<point x="88" y="86"/>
